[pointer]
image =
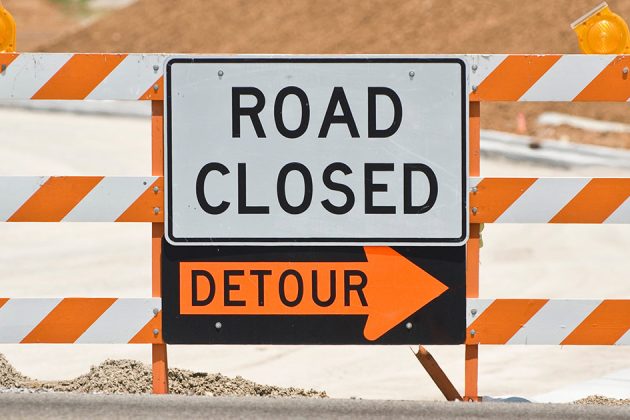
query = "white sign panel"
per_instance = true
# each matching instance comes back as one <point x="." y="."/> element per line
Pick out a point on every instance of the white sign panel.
<point x="316" y="150"/>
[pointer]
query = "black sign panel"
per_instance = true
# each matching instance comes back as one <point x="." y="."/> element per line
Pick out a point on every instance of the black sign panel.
<point x="313" y="295"/>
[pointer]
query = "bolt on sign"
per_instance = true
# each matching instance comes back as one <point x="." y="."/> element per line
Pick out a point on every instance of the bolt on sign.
<point x="315" y="200"/>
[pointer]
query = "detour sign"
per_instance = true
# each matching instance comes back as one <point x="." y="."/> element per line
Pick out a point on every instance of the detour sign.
<point x="323" y="295"/>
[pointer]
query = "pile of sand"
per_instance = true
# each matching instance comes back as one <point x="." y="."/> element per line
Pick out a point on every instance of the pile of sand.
<point x="599" y="400"/>
<point x="367" y="26"/>
<point x="38" y="22"/>
<point x="337" y="26"/>
<point x="133" y="377"/>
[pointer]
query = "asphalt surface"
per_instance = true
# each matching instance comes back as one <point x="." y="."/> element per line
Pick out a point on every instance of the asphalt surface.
<point x="81" y="406"/>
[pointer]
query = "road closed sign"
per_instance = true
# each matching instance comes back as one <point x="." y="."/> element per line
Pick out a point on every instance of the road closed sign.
<point x="316" y="151"/>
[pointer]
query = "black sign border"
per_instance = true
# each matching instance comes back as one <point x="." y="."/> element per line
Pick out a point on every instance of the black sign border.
<point x="367" y="241"/>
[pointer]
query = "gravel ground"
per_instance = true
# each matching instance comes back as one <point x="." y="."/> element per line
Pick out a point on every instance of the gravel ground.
<point x="133" y="377"/>
<point x="599" y="400"/>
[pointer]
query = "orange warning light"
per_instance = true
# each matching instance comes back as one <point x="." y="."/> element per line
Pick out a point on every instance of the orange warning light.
<point x="601" y="31"/>
<point x="7" y="31"/>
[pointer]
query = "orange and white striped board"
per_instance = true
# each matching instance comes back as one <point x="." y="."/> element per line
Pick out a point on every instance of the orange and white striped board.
<point x="550" y="200"/>
<point x="550" y="78"/>
<point x="81" y="320"/>
<point x="141" y="199"/>
<point x="81" y="199"/>
<point x="493" y="77"/>
<point x="548" y="321"/>
<point x="81" y="76"/>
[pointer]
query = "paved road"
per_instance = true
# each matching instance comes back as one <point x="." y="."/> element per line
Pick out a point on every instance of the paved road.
<point x="71" y="406"/>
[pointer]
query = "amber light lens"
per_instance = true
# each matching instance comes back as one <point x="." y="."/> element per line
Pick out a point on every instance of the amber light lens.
<point x="606" y="37"/>
<point x="602" y="32"/>
<point x="7" y="31"/>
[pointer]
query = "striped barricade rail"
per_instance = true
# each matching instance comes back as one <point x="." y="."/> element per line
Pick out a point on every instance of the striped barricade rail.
<point x="81" y="199"/>
<point x="493" y="77"/>
<point x="550" y="200"/>
<point x="81" y="320"/>
<point x="503" y="77"/>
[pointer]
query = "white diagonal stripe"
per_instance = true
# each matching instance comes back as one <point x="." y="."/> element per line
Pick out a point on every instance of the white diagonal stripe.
<point x="543" y="200"/>
<point x="121" y="321"/>
<point x="567" y="78"/>
<point x="478" y="306"/>
<point x="624" y="340"/>
<point x="15" y="190"/>
<point x="621" y="215"/>
<point x="18" y="317"/>
<point x="131" y="78"/>
<point x="109" y="199"/>
<point x="28" y="73"/>
<point x="474" y="181"/>
<point x="554" y="321"/>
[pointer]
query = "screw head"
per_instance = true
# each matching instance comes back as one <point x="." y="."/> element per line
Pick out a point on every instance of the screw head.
<point x="156" y="311"/>
<point x="472" y="333"/>
<point x="156" y="87"/>
<point x="625" y="70"/>
<point x="408" y="325"/>
<point x="156" y="210"/>
<point x="474" y="88"/>
<point x="218" y="325"/>
<point x="156" y="67"/>
<point x="156" y="189"/>
<point x="156" y="331"/>
<point x="4" y="67"/>
<point x="474" y="189"/>
<point x="474" y="210"/>
<point x="474" y="67"/>
<point x="412" y="74"/>
<point x="473" y="312"/>
<point x="220" y="73"/>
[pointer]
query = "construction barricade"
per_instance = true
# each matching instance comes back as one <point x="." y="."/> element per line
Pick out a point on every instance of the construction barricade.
<point x="130" y="77"/>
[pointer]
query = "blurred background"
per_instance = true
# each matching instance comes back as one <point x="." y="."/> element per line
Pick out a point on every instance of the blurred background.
<point x="331" y="27"/>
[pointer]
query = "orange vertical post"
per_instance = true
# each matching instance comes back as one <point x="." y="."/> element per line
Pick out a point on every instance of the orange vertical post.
<point x="471" y="366"/>
<point x="158" y="353"/>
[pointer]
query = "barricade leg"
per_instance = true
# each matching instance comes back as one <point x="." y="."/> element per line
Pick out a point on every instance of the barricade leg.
<point x="437" y="375"/>
<point x="158" y="353"/>
<point x="471" y="365"/>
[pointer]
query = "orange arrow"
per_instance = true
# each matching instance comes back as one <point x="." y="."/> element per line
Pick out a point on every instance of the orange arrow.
<point x="387" y="288"/>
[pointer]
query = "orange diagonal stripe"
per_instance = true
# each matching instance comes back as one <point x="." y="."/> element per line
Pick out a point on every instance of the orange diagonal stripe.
<point x="596" y="202"/>
<point x="604" y="326"/>
<point x="3" y="301"/>
<point x="609" y="85"/>
<point x="152" y="94"/>
<point x="79" y="76"/>
<point x="513" y="77"/>
<point x="7" y="58"/>
<point x="54" y="200"/>
<point x="495" y="195"/>
<point x="143" y="209"/>
<point x="69" y="320"/>
<point x="145" y="335"/>
<point x="502" y="319"/>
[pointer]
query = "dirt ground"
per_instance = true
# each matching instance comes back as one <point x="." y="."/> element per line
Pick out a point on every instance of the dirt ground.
<point x="133" y="377"/>
<point x="370" y="26"/>
<point x="38" y="22"/>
